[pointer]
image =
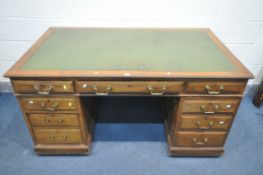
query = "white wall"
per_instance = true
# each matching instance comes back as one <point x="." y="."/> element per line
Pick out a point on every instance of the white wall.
<point x="238" y="23"/>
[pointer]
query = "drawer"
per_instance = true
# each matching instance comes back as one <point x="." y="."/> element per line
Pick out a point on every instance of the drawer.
<point x="139" y="87"/>
<point x="197" y="139"/>
<point x="205" y="122"/>
<point x="53" y="120"/>
<point x="49" y="104"/>
<point x="57" y="136"/>
<point x="215" y="88"/>
<point x="210" y="106"/>
<point x="42" y="87"/>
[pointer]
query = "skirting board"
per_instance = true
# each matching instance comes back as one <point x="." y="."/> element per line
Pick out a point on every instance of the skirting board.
<point x="5" y="87"/>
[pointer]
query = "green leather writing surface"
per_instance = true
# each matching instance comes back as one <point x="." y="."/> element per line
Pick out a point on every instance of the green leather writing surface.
<point x="122" y="49"/>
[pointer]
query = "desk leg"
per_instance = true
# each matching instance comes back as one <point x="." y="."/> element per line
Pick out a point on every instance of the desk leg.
<point x="172" y="111"/>
<point x="86" y="120"/>
<point x="85" y="126"/>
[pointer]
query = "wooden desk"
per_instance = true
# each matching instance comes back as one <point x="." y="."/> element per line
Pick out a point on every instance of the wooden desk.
<point x="200" y="80"/>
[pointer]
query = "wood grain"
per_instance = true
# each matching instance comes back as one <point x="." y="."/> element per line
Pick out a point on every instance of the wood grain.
<point x="130" y="87"/>
<point x="57" y="136"/>
<point x="214" y="139"/>
<point x="203" y="123"/>
<point x="51" y="120"/>
<point x="34" y="87"/>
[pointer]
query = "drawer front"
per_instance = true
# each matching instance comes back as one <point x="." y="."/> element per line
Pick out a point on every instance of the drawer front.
<point x="57" y="136"/>
<point x="202" y="122"/>
<point x="210" y="106"/>
<point x="49" y="104"/>
<point x="200" y="139"/>
<point x="215" y="88"/>
<point x="42" y="87"/>
<point x="53" y="120"/>
<point x="141" y="87"/>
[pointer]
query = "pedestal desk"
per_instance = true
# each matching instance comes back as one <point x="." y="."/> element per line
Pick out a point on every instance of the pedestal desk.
<point x="198" y="80"/>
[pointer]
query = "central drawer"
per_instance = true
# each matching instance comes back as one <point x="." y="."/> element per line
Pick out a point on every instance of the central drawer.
<point x="139" y="87"/>
<point x="42" y="120"/>
<point x="49" y="103"/>
<point x="57" y="136"/>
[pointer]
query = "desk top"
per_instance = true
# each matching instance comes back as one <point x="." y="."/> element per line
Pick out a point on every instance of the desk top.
<point x="120" y="52"/>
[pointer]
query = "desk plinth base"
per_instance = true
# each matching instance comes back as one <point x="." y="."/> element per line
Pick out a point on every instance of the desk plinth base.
<point x="62" y="149"/>
<point x="191" y="151"/>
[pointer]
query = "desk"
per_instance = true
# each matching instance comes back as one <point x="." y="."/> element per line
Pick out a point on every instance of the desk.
<point x="200" y="81"/>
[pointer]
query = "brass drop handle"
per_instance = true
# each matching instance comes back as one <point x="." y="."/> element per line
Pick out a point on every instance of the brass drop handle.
<point x="52" y="137"/>
<point x="151" y="89"/>
<point x="65" y="137"/>
<point x="200" y="143"/>
<point x="52" y="108"/>
<point x="61" y="120"/>
<point x="107" y="90"/>
<point x="209" y="91"/>
<point x="209" y="125"/>
<point x="48" y="91"/>
<point x="204" y="109"/>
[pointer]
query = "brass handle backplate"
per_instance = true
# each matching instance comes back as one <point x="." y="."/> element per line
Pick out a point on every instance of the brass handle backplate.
<point x="51" y="108"/>
<point x="152" y="91"/>
<point x="209" y="91"/>
<point x="38" y="87"/>
<point x="200" y="143"/>
<point x="96" y="90"/>
<point x="204" y="108"/>
<point x="209" y="125"/>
